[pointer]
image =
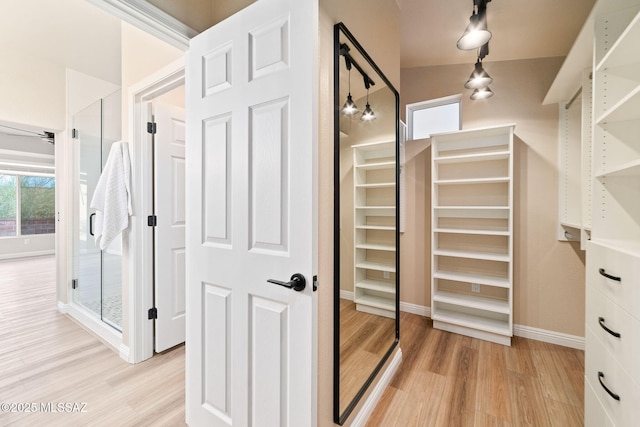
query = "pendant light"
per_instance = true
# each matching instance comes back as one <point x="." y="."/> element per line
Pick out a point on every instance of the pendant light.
<point x="476" y="34"/>
<point x="482" y="93"/>
<point x="479" y="78"/>
<point x="350" y="108"/>
<point x="368" y="114"/>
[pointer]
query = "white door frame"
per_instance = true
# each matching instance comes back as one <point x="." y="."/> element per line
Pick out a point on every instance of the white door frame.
<point x="140" y="265"/>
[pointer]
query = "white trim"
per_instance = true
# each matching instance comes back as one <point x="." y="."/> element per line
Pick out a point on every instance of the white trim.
<point x="151" y="19"/>
<point x="369" y="405"/>
<point x="420" y="310"/>
<point x="346" y="295"/>
<point x="140" y="289"/>
<point x="104" y="332"/>
<point x="559" y="338"/>
<point x="28" y="254"/>
<point x="124" y="352"/>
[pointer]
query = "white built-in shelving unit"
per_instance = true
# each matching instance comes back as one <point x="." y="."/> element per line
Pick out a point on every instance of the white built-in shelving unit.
<point x="374" y="169"/>
<point x="612" y="342"/>
<point x="472" y="233"/>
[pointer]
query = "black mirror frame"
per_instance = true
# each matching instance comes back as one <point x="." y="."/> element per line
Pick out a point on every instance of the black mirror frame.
<point x="340" y="418"/>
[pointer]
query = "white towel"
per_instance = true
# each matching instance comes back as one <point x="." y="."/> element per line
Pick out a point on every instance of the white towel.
<point x="112" y="198"/>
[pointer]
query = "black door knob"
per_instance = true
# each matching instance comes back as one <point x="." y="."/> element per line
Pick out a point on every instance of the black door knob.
<point x="297" y="282"/>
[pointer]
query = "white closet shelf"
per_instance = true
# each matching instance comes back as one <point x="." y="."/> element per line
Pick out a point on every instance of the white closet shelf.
<point x="377" y="166"/>
<point x="631" y="168"/>
<point x="474" y="157"/>
<point x="498" y="282"/>
<point x="377" y="185"/>
<point x="471" y="301"/>
<point x="472" y="321"/>
<point x="472" y="231"/>
<point x="378" y="286"/>
<point x="378" y="266"/>
<point x="391" y="208"/>
<point x="373" y="146"/>
<point x="625" y="50"/>
<point x="487" y="256"/>
<point x="376" y="227"/>
<point x="376" y="247"/>
<point x="496" y="180"/>
<point x="374" y="301"/>
<point x="631" y="247"/>
<point x="569" y="224"/>
<point x="628" y="108"/>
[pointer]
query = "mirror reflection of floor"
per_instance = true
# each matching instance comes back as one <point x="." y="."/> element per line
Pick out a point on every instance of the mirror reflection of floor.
<point x="364" y="339"/>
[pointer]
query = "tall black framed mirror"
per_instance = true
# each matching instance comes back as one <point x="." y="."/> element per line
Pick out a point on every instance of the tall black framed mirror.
<point x="366" y="222"/>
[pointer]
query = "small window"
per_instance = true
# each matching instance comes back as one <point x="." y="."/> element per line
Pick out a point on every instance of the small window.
<point x="434" y="116"/>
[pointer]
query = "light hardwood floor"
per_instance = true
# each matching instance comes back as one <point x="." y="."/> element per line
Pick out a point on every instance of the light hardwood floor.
<point x="46" y="357"/>
<point x="444" y="379"/>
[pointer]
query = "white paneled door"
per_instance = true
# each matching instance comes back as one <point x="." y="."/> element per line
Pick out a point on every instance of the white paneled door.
<point x="169" y="292"/>
<point x="251" y="217"/>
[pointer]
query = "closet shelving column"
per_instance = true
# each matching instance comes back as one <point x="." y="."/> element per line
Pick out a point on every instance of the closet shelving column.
<point x="612" y="341"/>
<point x="374" y="180"/>
<point x="472" y="233"/>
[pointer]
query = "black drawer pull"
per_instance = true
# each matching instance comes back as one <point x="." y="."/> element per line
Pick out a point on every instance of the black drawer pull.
<point x="608" y="276"/>
<point x="612" y="394"/>
<point x="601" y="321"/>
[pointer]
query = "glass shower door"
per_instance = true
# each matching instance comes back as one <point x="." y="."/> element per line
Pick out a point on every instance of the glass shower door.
<point x="98" y="273"/>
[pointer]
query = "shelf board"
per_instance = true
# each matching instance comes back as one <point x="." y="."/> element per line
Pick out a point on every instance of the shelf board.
<point x="471" y="301"/>
<point x="376" y="166"/>
<point x="378" y="266"/>
<point x="496" y="180"/>
<point x="376" y="227"/>
<point x="374" y="145"/>
<point x="470" y="321"/>
<point x="376" y="207"/>
<point x="631" y="168"/>
<point x="567" y="224"/>
<point x="498" y="282"/>
<point x="500" y="212"/>
<point x="631" y="247"/>
<point x="628" y="108"/>
<point x="377" y="185"/>
<point x="379" y="302"/>
<point x="625" y="50"/>
<point x="470" y="231"/>
<point x="475" y="157"/>
<point x="376" y="247"/>
<point x="488" y="256"/>
<point x="378" y="286"/>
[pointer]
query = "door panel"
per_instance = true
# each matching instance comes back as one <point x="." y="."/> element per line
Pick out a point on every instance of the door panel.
<point x="251" y="153"/>
<point x="170" y="232"/>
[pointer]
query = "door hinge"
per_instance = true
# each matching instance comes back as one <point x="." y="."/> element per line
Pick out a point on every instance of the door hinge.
<point x="151" y="128"/>
<point x="152" y="220"/>
<point x="153" y="313"/>
<point x="315" y="283"/>
<point x="74" y="284"/>
<point x="74" y="133"/>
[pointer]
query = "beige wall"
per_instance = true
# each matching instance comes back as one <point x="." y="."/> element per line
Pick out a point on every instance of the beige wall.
<point x="549" y="275"/>
<point x="375" y="23"/>
<point x="201" y="14"/>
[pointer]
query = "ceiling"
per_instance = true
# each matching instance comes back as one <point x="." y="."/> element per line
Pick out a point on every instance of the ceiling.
<point x="522" y="29"/>
<point x="76" y="34"/>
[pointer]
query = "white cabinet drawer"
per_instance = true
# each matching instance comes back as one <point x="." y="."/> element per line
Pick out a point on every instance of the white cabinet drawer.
<point x="624" y="411"/>
<point x="602" y="313"/>
<point x="594" y="413"/>
<point x="622" y="285"/>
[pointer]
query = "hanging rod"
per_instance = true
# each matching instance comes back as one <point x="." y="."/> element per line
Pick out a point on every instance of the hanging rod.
<point x="575" y="96"/>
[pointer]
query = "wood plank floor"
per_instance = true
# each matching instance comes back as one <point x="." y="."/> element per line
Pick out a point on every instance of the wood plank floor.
<point x="444" y="379"/>
<point x="46" y="357"/>
<point x="450" y="380"/>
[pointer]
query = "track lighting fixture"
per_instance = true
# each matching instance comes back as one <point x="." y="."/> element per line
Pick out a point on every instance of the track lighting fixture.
<point x="482" y="93"/>
<point x="476" y="34"/>
<point x="367" y="114"/>
<point x="479" y="77"/>
<point x="349" y="107"/>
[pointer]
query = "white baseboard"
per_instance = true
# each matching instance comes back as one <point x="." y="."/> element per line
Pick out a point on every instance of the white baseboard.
<point x="346" y="295"/>
<point x="420" y="310"/>
<point x="124" y="352"/>
<point x="369" y="405"/>
<point x="28" y="254"/>
<point x="565" y="340"/>
<point x="63" y="308"/>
